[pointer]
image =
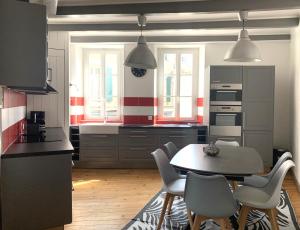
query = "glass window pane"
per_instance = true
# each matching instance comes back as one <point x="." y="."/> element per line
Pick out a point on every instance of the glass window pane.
<point x="186" y="65"/>
<point x="186" y="85"/>
<point x="186" y="107"/>
<point x="169" y="64"/>
<point x="169" y="106"/>
<point x="169" y="86"/>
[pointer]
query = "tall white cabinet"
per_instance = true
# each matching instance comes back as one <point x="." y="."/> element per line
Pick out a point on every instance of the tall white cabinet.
<point x="53" y="104"/>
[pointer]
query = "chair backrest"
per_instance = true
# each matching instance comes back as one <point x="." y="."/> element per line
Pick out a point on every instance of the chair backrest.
<point x="209" y="196"/>
<point x="283" y="158"/>
<point x="273" y="188"/>
<point x="171" y="149"/>
<point x="227" y="143"/>
<point x="166" y="171"/>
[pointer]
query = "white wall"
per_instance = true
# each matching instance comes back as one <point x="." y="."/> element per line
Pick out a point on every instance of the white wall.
<point x="273" y="53"/>
<point x="295" y="102"/>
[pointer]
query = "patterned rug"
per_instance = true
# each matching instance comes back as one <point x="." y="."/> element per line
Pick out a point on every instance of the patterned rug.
<point x="148" y="217"/>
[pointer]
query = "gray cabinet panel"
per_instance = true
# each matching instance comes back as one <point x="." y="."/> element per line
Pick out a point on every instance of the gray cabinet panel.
<point x="136" y="153"/>
<point x="137" y="131"/>
<point x="262" y="142"/>
<point x="258" y="97"/>
<point x="23" y="44"/>
<point x="88" y="140"/>
<point x="137" y="140"/>
<point x="227" y="138"/>
<point x="99" y="153"/>
<point x="226" y="74"/>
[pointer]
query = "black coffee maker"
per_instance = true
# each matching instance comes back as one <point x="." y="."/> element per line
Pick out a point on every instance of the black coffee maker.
<point x="36" y="130"/>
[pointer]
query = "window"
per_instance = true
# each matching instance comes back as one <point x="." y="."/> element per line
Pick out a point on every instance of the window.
<point x="102" y="85"/>
<point x="177" y="84"/>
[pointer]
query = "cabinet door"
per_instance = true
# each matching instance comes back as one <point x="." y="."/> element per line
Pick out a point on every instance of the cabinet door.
<point x="23" y="44"/>
<point x="226" y="74"/>
<point x="52" y="104"/>
<point x="262" y="142"/>
<point x="258" y="97"/>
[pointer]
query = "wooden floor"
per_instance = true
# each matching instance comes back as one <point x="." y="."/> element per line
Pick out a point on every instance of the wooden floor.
<point x="107" y="199"/>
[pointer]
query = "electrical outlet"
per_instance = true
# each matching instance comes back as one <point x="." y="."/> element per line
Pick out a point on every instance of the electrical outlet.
<point x="150" y="118"/>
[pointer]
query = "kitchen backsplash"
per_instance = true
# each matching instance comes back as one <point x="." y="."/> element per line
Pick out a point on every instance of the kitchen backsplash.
<point x="13" y="117"/>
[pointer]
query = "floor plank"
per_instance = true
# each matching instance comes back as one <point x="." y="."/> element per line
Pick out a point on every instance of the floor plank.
<point x="109" y="198"/>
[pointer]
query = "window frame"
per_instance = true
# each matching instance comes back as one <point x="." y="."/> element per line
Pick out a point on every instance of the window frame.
<point x="120" y="74"/>
<point x="160" y="81"/>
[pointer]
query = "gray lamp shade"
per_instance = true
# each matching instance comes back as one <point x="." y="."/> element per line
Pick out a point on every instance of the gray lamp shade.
<point x="141" y="56"/>
<point x="244" y="50"/>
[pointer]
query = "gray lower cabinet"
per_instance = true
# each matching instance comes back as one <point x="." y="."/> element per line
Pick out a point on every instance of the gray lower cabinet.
<point x="262" y="141"/>
<point x="131" y="148"/>
<point x="98" y="148"/>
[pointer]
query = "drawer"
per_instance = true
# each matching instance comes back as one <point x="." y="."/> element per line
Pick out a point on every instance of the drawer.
<point x="137" y="140"/>
<point x="137" y="153"/>
<point x="98" y="140"/>
<point x="175" y="131"/>
<point x="136" y="131"/>
<point x="100" y="154"/>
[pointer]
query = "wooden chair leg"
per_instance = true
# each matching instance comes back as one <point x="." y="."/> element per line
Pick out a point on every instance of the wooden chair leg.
<point x="163" y="211"/>
<point x="273" y="218"/>
<point x="189" y="214"/>
<point x="170" y="204"/>
<point x="234" y="185"/>
<point x="243" y="217"/>
<point x="197" y="222"/>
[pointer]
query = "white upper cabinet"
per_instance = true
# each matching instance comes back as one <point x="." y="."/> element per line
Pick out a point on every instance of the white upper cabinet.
<point x="23" y="44"/>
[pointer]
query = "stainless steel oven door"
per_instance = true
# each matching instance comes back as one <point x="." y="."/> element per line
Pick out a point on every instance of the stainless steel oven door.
<point x="226" y="97"/>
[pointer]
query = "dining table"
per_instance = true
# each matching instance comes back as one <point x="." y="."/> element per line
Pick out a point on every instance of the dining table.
<point x="234" y="163"/>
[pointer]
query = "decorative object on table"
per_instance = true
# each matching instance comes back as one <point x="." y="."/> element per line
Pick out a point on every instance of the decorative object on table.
<point x="211" y="150"/>
<point x="141" y="56"/>
<point x="148" y="217"/>
<point x="244" y="49"/>
<point x="137" y="72"/>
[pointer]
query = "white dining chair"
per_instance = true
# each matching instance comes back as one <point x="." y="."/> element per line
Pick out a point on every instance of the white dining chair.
<point x="209" y="197"/>
<point x="265" y="199"/>
<point x="173" y="184"/>
<point x="227" y="143"/>
<point x="171" y="149"/>
<point x="261" y="181"/>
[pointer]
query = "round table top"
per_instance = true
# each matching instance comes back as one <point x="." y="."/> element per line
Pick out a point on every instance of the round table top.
<point x="231" y="161"/>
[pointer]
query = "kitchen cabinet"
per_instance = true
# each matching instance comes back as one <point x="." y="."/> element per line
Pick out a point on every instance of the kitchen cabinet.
<point x="98" y="148"/>
<point x="226" y="74"/>
<point x="131" y="148"/>
<point x="258" y="110"/>
<point x="53" y="104"/>
<point x="262" y="141"/>
<point x="23" y="44"/>
<point x="258" y="97"/>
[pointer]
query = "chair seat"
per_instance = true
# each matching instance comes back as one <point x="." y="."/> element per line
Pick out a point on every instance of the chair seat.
<point x="176" y="187"/>
<point x="255" y="181"/>
<point x="253" y="197"/>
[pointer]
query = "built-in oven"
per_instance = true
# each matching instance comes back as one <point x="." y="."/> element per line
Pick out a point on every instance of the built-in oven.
<point x="226" y="94"/>
<point x="225" y="120"/>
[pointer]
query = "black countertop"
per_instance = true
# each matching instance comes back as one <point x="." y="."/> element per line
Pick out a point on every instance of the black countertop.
<point x="56" y="142"/>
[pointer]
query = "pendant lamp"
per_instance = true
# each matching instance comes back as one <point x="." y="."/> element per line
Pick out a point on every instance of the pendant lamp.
<point x="244" y="49"/>
<point x="141" y="56"/>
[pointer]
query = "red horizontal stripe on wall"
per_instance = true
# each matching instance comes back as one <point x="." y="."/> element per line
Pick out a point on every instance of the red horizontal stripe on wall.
<point x="77" y="101"/>
<point x="76" y="119"/>
<point x="12" y="133"/>
<point x="140" y="101"/>
<point x="200" y="101"/>
<point x="200" y="119"/>
<point x="13" y="99"/>
<point x="137" y="120"/>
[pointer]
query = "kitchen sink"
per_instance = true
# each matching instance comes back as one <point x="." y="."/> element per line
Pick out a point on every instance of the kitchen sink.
<point x="99" y="128"/>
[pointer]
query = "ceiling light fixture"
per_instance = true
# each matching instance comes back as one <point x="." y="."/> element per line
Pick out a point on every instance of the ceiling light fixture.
<point x="141" y="56"/>
<point x="244" y="49"/>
